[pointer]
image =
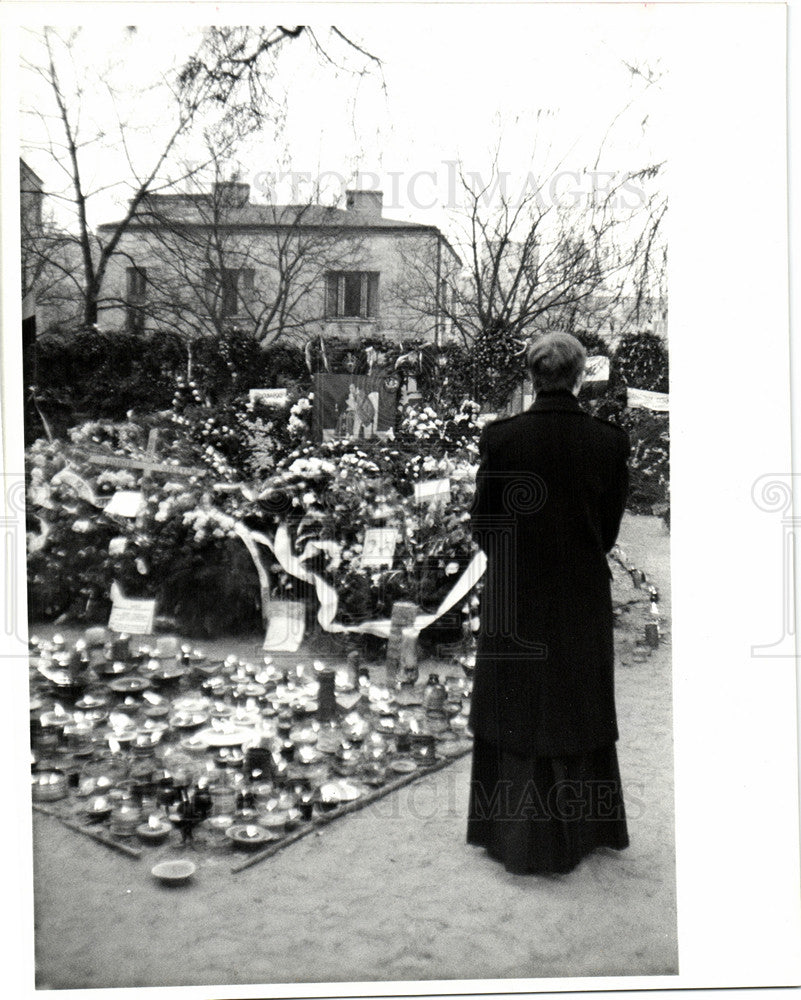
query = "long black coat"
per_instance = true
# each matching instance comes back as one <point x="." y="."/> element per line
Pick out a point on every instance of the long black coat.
<point x="550" y="494"/>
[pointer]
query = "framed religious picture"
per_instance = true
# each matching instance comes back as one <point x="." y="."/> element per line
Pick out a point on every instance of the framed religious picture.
<point x="359" y="407"/>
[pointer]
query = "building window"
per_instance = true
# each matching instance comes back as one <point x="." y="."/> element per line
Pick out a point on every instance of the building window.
<point x="135" y="299"/>
<point x="351" y="295"/>
<point x="229" y="288"/>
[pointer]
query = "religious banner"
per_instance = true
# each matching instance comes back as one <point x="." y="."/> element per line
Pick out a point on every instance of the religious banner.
<point x="644" y="399"/>
<point x="131" y="615"/>
<point x="358" y="407"/>
<point x="379" y="546"/>
<point x="125" y="503"/>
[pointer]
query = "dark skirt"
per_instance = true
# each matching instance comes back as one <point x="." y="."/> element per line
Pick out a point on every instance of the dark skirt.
<point x="542" y="815"/>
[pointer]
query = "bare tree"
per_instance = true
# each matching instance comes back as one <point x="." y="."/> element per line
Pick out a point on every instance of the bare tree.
<point x="236" y="65"/>
<point x="223" y="86"/>
<point x="531" y="263"/>
<point x="581" y="251"/>
<point x="213" y="260"/>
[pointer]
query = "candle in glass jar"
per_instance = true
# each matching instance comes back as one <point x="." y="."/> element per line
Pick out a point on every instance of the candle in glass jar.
<point x="121" y="647"/>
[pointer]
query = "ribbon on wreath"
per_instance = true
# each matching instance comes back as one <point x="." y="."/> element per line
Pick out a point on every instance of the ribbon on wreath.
<point x="281" y="548"/>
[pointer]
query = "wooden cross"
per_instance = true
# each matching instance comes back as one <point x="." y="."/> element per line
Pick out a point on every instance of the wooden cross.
<point x="148" y="464"/>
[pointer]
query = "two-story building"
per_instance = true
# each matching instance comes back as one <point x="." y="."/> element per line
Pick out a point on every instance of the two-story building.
<point x="205" y="262"/>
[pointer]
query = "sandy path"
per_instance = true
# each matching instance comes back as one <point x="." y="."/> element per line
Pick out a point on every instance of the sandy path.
<point x="392" y="892"/>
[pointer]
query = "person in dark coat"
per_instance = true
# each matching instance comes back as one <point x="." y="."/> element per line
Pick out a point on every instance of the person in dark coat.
<point x="550" y="494"/>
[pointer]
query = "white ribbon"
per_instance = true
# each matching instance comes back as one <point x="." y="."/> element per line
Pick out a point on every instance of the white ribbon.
<point x="281" y="548"/>
<point x="78" y="485"/>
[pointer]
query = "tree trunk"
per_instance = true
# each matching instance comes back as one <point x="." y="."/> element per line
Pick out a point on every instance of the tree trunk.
<point x="90" y="307"/>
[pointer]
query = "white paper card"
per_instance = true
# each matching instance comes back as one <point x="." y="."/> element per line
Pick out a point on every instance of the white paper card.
<point x="269" y="397"/>
<point x="285" y="626"/>
<point x="432" y="489"/>
<point x="379" y="546"/>
<point x="644" y="399"/>
<point x="597" y="369"/>
<point x="131" y="615"/>
<point x="125" y="503"/>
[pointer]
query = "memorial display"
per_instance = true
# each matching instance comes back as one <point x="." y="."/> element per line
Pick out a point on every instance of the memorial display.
<point x="154" y="746"/>
<point x="342" y="511"/>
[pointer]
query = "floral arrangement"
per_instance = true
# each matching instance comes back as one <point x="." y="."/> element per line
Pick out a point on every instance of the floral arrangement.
<point x="182" y="546"/>
<point x="441" y="432"/>
<point x="649" y="462"/>
<point x="263" y="469"/>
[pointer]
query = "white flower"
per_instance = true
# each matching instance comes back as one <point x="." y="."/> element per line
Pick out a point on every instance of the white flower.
<point x="451" y="568"/>
<point x="81" y="527"/>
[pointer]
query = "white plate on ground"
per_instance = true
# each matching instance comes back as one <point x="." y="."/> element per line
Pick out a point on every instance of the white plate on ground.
<point x="174" y="872"/>
<point x="221" y="738"/>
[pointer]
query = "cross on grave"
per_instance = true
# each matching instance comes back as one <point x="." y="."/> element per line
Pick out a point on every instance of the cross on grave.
<point x="148" y="464"/>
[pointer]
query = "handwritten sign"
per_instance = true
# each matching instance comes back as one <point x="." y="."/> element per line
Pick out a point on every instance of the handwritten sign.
<point x="379" y="546"/>
<point x="269" y="397"/>
<point x="432" y="489"/>
<point x="132" y="615"/>
<point x="285" y="626"/>
<point x="644" y="399"/>
<point x="125" y="503"/>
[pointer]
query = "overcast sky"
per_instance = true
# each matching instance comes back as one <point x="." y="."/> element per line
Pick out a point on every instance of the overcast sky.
<point x="547" y="81"/>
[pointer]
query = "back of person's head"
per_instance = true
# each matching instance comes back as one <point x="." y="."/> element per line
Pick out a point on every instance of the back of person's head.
<point x="555" y="361"/>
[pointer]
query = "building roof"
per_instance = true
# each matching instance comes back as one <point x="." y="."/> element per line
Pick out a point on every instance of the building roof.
<point x="30" y="177"/>
<point x="228" y="206"/>
<point x="198" y="210"/>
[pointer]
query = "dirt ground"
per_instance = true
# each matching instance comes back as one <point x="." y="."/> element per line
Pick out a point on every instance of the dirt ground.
<point x="390" y="893"/>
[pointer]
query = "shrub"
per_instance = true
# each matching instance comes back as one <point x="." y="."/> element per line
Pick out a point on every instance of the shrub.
<point x="642" y="360"/>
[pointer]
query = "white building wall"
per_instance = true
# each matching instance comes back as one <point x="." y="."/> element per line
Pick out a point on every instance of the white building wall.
<point x="385" y="252"/>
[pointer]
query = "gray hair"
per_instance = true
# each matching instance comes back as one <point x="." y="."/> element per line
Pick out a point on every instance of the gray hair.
<point x="555" y="361"/>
